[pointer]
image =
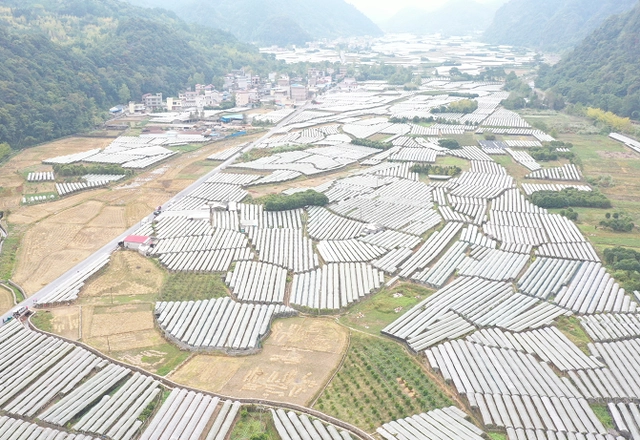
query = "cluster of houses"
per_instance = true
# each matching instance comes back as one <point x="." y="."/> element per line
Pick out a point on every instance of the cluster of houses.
<point x="240" y="88"/>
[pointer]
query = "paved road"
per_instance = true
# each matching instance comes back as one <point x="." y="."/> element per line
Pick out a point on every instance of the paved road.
<point x="113" y="244"/>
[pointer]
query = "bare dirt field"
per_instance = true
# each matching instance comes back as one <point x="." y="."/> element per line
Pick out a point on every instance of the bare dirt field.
<point x="65" y="321"/>
<point x="116" y="311"/>
<point x="128" y="274"/>
<point x="60" y="234"/>
<point x="30" y="160"/>
<point x="297" y="360"/>
<point x="117" y="327"/>
<point x="6" y="300"/>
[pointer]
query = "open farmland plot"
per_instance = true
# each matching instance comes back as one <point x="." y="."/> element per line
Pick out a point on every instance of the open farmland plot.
<point x="480" y="296"/>
<point x="296" y="361"/>
<point x="379" y="381"/>
<point x="220" y="324"/>
<point x="381" y="309"/>
<point x="86" y="221"/>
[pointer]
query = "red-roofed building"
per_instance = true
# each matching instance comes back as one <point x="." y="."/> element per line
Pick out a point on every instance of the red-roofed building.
<point x="134" y="242"/>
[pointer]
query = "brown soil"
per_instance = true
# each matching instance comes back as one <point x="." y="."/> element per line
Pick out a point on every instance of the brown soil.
<point x="6" y="300"/>
<point x="66" y="321"/>
<point x="60" y="234"/>
<point x="30" y="160"/>
<point x="128" y="273"/>
<point x="118" y="327"/>
<point x="295" y="363"/>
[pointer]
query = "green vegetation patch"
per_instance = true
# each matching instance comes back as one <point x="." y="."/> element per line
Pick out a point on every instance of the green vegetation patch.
<point x="464" y="106"/>
<point x="254" y="424"/>
<point x="5" y="151"/>
<point x="159" y="359"/>
<point x="603" y="415"/>
<point x="570" y="197"/>
<point x="192" y="287"/>
<point x="549" y="153"/>
<point x="151" y="408"/>
<point x="372" y="144"/>
<point x="618" y="222"/>
<point x="570" y="326"/>
<point x="74" y="170"/>
<point x="281" y="202"/>
<point x="173" y="357"/>
<point x="436" y="170"/>
<point x="8" y="255"/>
<point x="259" y="153"/>
<point x="379" y="381"/>
<point x="375" y="313"/>
<point x="186" y="148"/>
<point x="625" y="264"/>
<point x="450" y="144"/>
<point x="43" y="320"/>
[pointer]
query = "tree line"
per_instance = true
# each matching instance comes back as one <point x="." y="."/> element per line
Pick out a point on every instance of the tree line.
<point x="281" y="202"/>
<point x="73" y="170"/>
<point x="372" y="144"/>
<point x="570" y="197"/>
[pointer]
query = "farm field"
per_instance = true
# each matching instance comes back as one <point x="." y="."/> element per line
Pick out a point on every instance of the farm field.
<point x="381" y="309"/>
<point x="600" y="157"/>
<point x="254" y="422"/>
<point x="30" y="160"/>
<point x="497" y="307"/>
<point x="379" y="380"/>
<point x="192" y="287"/>
<point x="297" y="359"/>
<point x="6" y="300"/>
<point x="86" y="221"/>
<point x="116" y="312"/>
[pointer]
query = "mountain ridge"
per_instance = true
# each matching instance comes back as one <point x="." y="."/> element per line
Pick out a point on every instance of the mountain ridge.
<point x="602" y="71"/>
<point x="551" y="24"/>
<point x="318" y="18"/>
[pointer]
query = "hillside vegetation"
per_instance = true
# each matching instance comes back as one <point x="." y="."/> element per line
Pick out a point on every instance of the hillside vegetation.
<point x="65" y="62"/>
<point x="551" y="24"/>
<point x="245" y="18"/>
<point x="603" y="70"/>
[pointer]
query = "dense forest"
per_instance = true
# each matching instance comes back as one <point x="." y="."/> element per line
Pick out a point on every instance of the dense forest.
<point x="603" y="70"/>
<point x="245" y="18"/>
<point x="65" y="62"/>
<point x="551" y="24"/>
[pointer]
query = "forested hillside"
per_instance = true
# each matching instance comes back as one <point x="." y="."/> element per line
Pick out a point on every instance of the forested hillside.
<point x="65" y="62"/>
<point x="603" y="70"/>
<point x="244" y="18"/>
<point x="457" y="17"/>
<point x="551" y="24"/>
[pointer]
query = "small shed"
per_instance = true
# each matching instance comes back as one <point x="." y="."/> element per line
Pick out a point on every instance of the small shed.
<point x="227" y="119"/>
<point x="134" y="242"/>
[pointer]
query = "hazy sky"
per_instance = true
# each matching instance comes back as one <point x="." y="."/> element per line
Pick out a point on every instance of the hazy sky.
<point x="380" y="10"/>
